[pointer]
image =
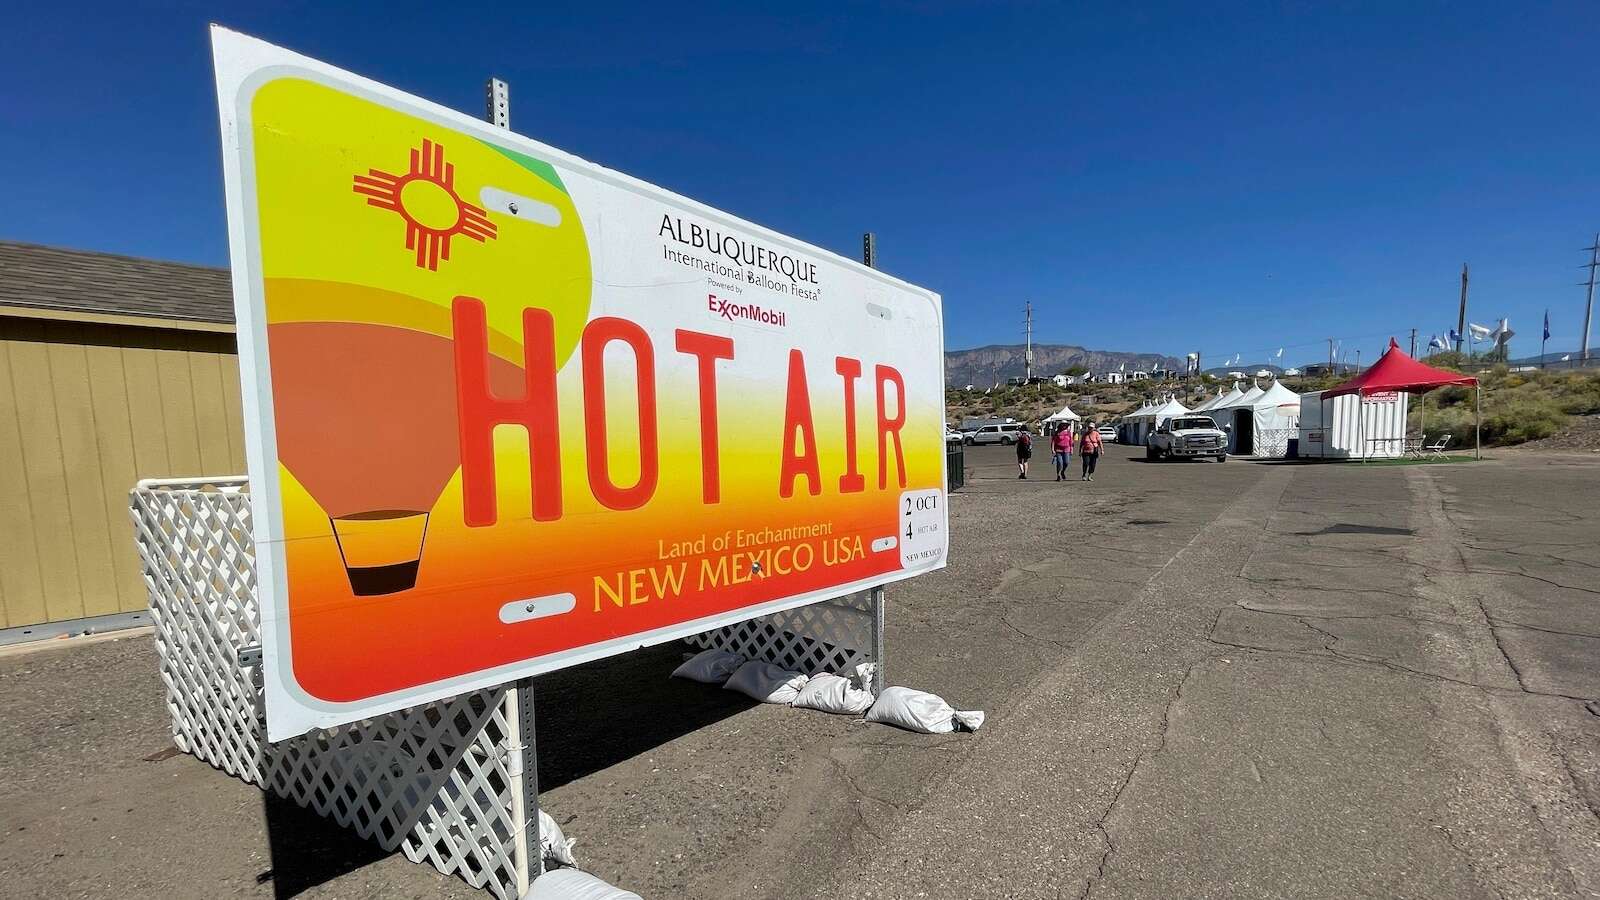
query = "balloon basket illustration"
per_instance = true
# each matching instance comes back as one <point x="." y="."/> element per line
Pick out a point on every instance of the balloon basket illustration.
<point x="366" y="422"/>
<point x="381" y="549"/>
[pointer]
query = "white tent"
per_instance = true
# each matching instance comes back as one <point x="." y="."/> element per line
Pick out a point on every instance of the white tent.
<point x="1065" y="415"/>
<point x="1208" y="403"/>
<point x="1167" y="410"/>
<point x="1261" y="427"/>
<point x="1129" y="426"/>
<point x="1247" y="398"/>
<point x="1226" y="400"/>
<point x="1151" y="418"/>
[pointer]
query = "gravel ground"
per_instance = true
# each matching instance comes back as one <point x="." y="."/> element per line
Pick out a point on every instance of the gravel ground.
<point x="1582" y="434"/>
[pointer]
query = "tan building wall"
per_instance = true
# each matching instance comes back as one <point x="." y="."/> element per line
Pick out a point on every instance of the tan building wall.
<point x="86" y="410"/>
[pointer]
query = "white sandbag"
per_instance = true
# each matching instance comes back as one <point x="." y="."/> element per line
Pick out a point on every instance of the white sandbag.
<point x="767" y="682"/>
<point x="709" y="666"/>
<point x="833" y="694"/>
<point x="572" y="884"/>
<point x="553" y="843"/>
<point x="921" y="711"/>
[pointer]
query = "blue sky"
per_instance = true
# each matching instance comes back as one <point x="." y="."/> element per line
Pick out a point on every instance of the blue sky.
<point x="1215" y="177"/>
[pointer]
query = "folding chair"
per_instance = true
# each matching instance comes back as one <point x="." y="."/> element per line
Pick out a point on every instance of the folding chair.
<point x="1413" y="446"/>
<point x="1437" y="447"/>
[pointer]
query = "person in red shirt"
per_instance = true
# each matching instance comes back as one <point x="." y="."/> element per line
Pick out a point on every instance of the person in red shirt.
<point x="1061" y="443"/>
<point x="1089" y="450"/>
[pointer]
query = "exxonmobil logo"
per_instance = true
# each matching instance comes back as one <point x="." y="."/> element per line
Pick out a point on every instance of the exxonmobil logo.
<point x="751" y="312"/>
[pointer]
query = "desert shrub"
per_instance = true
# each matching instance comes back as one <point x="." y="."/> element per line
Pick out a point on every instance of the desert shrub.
<point x="1451" y="396"/>
<point x="1503" y="423"/>
<point x="1578" y="394"/>
<point x="1514" y="424"/>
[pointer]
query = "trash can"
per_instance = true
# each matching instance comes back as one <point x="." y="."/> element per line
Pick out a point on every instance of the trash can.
<point x="955" y="462"/>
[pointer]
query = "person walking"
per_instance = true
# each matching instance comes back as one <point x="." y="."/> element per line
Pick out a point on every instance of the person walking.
<point x="1024" y="451"/>
<point x="1089" y="450"/>
<point x="1061" y="443"/>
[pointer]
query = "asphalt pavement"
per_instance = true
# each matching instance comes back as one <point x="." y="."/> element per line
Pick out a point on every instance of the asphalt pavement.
<point x="1241" y="680"/>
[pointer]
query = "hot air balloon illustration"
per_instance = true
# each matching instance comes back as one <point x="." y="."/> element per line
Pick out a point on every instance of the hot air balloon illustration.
<point x="372" y="222"/>
<point x="366" y="421"/>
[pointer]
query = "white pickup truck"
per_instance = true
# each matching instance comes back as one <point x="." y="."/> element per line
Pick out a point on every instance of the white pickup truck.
<point x="1187" y="436"/>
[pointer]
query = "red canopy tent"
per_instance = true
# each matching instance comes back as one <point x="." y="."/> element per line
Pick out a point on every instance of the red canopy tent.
<point x="1395" y="371"/>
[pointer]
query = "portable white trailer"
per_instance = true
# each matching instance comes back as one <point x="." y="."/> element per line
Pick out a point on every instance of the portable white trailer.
<point x="1353" y="426"/>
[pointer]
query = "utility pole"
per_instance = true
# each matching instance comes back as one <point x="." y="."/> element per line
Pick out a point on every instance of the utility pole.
<point x="1413" y="343"/>
<point x="1027" y="356"/>
<point x="1330" y="356"/>
<point x="1461" y="319"/>
<point x="1588" y="309"/>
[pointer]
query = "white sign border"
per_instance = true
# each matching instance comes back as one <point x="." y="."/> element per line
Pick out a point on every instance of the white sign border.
<point x="243" y="64"/>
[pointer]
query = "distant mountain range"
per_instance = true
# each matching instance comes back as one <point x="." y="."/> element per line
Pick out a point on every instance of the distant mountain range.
<point x="985" y="366"/>
<point x="1250" y="369"/>
<point x="1553" y="358"/>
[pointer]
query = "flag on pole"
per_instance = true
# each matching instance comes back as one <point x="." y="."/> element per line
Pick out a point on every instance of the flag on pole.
<point x="1438" y="343"/>
<point x="1479" y="332"/>
<point x="1547" y="324"/>
<point x="1455" y="337"/>
<point x="1280" y="354"/>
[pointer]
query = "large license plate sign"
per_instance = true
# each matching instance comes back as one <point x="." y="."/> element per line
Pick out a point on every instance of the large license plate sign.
<point x="508" y="411"/>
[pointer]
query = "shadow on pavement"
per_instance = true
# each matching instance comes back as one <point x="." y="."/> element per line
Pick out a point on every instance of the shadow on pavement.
<point x="594" y="716"/>
<point x="307" y="850"/>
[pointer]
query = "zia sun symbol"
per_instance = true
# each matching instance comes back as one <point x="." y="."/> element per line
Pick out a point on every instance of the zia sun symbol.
<point x="425" y="197"/>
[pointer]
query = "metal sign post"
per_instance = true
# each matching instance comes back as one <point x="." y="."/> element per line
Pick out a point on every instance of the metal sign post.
<point x="523" y="763"/>
<point x="522" y="733"/>
<point x="869" y="258"/>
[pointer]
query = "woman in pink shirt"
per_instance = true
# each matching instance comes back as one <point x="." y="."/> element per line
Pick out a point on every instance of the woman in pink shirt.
<point x="1061" y="444"/>
<point x="1090" y="450"/>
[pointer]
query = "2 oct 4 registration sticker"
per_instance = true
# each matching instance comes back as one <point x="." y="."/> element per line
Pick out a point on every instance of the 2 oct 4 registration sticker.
<point x="922" y="537"/>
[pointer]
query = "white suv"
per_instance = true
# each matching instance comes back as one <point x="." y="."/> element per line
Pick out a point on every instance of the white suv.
<point x="995" y="434"/>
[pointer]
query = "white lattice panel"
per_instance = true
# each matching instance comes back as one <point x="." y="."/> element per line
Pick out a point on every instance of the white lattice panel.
<point x="434" y="781"/>
<point x="831" y="636"/>
<point x="439" y="782"/>
<point x="1273" y="443"/>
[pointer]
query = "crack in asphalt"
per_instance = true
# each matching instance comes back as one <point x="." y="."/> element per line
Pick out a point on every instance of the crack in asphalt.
<point x="1364" y="661"/>
<point x="1468" y="861"/>
<point x="1523" y="574"/>
<point x="1004" y="620"/>
<point x="1509" y="551"/>
<point x="1419" y="620"/>
<point x="1523" y="626"/>
<point x="1161" y="745"/>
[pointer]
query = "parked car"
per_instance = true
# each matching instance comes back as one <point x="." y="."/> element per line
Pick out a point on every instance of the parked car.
<point x="995" y="434"/>
<point x="952" y="436"/>
<point x="1187" y="436"/>
<point x="1109" y="432"/>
